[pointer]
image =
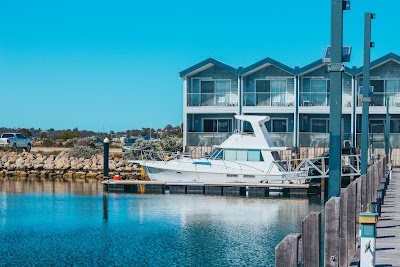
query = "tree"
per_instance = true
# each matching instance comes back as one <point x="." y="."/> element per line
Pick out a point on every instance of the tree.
<point x="25" y="132"/>
<point x="172" y="144"/>
<point x="68" y="135"/>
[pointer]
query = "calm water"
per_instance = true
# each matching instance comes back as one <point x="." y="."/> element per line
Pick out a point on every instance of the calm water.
<point x="55" y="223"/>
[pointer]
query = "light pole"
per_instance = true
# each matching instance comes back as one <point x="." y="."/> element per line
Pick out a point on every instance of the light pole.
<point x="335" y="115"/>
<point x="365" y="90"/>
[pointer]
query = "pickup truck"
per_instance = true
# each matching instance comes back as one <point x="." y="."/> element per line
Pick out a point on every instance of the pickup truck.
<point x="15" y="140"/>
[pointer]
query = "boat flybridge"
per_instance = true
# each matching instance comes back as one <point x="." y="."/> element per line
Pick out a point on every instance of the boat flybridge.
<point x="242" y="158"/>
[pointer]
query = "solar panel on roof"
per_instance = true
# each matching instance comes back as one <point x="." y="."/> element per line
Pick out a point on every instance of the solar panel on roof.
<point x="346" y="51"/>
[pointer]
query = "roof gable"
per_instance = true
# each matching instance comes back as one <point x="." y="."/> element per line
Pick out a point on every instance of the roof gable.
<point x="380" y="61"/>
<point x="205" y="64"/>
<point x="318" y="64"/>
<point x="263" y="63"/>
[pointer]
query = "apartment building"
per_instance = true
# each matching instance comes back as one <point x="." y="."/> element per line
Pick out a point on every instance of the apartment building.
<point x="297" y="100"/>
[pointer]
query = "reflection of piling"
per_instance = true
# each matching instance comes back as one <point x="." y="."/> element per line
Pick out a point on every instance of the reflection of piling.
<point x="258" y="192"/>
<point x="105" y="206"/>
<point x="106" y="144"/>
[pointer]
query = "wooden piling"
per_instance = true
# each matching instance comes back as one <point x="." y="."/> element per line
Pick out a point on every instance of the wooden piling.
<point x="311" y="240"/>
<point x="332" y="233"/>
<point x="343" y="245"/>
<point x="351" y="218"/>
<point x="287" y="251"/>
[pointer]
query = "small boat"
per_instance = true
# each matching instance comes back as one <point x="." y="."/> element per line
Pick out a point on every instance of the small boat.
<point x="242" y="158"/>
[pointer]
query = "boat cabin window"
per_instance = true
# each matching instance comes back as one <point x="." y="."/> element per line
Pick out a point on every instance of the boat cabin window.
<point x="242" y="155"/>
<point x="217" y="154"/>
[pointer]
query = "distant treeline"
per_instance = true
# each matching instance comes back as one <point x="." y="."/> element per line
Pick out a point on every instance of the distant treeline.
<point x="66" y="134"/>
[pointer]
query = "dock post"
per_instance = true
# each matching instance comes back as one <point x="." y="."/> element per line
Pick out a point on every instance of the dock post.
<point x="287" y="251"/>
<point x="365" y="93"/>
<point x="311" y="240"/>
<point x="106" y="144"/>
<point x="322" y="190"/>
<point x="332" y="232"/>
<point x="379" y="202"/>
<point x="368" y="221"/>
<point x="336" y="70"/>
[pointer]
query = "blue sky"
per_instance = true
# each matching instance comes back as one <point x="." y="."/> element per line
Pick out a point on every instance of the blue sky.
<point x="101" y="65"/>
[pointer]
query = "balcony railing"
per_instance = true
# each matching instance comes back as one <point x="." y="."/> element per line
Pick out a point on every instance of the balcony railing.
<point x="268" y="99"/>
<point x="212" y="99"/>
<point x="378" y="140"/>
<point x="312" y="139"/>
<point x="379" y="99"/>
<point x="206" y="138"/>
<point x="314" y="99"/>
<point x="215" y="139"/>
<point x="282" y="139"/>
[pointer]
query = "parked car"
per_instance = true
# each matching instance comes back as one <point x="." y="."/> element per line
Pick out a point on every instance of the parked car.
<point x="15" y="140"/>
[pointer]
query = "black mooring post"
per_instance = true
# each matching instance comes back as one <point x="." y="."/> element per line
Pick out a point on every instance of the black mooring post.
<point x="106" y="144"/>
<point x="387" y="132"/>
<point x="335" y="115"/>
<point x="366" y="93"/>
<point x="379" y="202"/>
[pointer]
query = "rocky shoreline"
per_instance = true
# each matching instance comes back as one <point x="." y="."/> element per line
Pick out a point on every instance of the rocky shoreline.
<point x="38" y="165"/>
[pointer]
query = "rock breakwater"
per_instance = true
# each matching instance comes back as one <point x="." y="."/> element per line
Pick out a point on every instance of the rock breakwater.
<point x="63" y="166"/>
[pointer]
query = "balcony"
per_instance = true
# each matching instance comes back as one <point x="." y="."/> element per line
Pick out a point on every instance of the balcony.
<point x="282" y="139"/>
<point x="212" y="99"/>
<point x="314" y="99"/>
<point x="378" y="140"/>
<point x="379" y="99"/>
<point x="215" y="139"/>
<point x="206" y="138"/>
<point x="268" y="99"/>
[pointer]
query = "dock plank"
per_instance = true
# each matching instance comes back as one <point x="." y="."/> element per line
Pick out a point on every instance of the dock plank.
<point x="388" y="228"/>
<point x="145" y="182"/>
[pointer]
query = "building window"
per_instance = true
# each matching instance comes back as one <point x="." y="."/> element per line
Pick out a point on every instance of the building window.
<point x="395" y="126"/>
<point x="271" y="92"/>
<point x="279" y="125"/>
<point x="320" y="125"/>
<point x="315" y="92"/>
<point x="217" y="125"/>
<point x="209" y="92"/>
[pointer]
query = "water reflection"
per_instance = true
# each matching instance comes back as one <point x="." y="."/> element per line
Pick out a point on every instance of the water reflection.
<point x="56" y="186"/>
<point x="75" y="223"/>
<point x="105" y="206"/>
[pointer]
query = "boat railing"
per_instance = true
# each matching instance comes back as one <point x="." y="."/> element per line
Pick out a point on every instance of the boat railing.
<point x="316" y="167"/>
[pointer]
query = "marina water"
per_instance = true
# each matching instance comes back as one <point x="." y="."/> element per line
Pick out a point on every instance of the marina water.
<point x="59" y="223"/>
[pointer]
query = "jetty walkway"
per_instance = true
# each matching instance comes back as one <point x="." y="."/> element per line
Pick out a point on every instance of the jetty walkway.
<point x="388" y="228"/>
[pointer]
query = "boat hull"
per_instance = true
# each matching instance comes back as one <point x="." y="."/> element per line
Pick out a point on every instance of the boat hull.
<point x="158" y="171"/>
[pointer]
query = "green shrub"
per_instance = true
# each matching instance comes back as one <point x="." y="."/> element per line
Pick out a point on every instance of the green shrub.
<point x="172" y="144"/>
<point x="86" y="148"/>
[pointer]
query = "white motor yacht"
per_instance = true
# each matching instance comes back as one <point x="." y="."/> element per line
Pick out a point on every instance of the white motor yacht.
<point x="242" y="158"/>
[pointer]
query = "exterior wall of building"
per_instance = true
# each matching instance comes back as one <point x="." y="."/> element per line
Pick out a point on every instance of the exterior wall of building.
<point x="271" y="97"/>
<point x="313" y="109"/>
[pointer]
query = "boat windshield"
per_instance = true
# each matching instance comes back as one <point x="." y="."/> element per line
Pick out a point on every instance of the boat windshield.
<point x="217" y="154"/>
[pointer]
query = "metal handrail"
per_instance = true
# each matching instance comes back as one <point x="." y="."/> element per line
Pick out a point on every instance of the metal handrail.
<point x="319" y="142"/>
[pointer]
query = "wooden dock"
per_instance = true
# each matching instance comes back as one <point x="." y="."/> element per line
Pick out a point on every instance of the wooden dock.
<point x="388" y="228"/>
<point x="226" y="189"/>
<point x="144" y="182"/>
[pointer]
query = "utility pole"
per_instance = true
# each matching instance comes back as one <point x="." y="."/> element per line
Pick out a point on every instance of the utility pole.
<point x="335" y="115"/>
<point x="366" y="92"/>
